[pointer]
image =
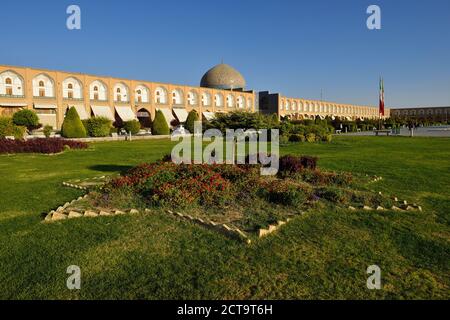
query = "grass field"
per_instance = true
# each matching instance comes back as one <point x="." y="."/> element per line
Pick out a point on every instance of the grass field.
<point x="321" y="255"/>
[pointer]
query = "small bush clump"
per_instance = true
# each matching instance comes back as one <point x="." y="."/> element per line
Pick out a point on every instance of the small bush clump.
<point x="98" y="126"/>
<point x="48" y="131"/>
<point x="286" y="192"/>
<point x="293" y="164"/>
<point x="8" y="128"/>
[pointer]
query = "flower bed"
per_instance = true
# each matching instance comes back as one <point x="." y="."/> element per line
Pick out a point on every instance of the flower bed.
<point x="235" y="194"/>
<point x="46" y="146"/>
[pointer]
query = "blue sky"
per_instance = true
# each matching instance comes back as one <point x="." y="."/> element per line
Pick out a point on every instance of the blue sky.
<point x="297" y="47"/>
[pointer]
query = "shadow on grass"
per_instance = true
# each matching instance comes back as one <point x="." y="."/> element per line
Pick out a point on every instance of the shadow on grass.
<point x="110" y="168"/>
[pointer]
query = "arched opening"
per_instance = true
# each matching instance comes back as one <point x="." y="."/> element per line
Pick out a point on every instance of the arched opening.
<point x="144" y="117"/>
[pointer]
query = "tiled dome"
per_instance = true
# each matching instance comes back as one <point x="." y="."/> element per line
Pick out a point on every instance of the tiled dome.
<point x="223" y="76"/>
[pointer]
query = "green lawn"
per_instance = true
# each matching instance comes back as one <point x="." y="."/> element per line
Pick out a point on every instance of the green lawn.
<point x="319" y="255"/>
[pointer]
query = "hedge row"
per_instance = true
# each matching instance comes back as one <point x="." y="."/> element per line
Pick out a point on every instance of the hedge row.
<point x="45" y="145"/>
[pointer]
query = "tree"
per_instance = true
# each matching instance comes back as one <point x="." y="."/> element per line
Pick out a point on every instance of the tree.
<point x="160" y="126"/>
<point x="72" y="126"/>
<point x="191" y="119"/>
<point x="132" y="126"/>
<point x="26" y="118"/>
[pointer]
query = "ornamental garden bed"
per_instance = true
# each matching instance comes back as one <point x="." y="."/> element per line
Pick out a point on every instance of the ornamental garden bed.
<point x="234" y="198"/>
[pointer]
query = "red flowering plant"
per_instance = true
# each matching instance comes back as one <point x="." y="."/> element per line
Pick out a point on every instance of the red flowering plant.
<point x="165" y="183"/>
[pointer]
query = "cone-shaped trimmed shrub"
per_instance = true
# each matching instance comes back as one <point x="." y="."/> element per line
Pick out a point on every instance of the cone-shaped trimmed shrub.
<point x="72" y="126"/>
<point x="160" y="126"/>
<point x="190" y="121"/>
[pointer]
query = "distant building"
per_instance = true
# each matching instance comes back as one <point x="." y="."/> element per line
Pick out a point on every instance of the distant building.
<point x="222" y="89"/>
<point x="439" y="114"/>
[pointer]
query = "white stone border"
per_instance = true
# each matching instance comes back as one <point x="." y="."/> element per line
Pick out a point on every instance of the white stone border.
<point x="222" y="227"/>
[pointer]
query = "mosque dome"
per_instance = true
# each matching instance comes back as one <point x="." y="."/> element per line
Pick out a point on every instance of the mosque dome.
<point x="223" y="76"/>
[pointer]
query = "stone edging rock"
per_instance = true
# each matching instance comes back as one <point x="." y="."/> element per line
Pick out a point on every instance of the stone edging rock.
<point x="272" y="228"/>
<point x="62" y="214"/>
<point x="404" y="206"/>
<point x="222" y="227"/>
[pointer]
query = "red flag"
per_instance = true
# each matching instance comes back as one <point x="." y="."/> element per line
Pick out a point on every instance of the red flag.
<point x="381" y="97"/>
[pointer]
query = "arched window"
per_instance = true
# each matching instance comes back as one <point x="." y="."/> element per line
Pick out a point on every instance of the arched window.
<point x="206" y="99"/>
<point x="43" y="86"/>
<point x="41" y="89"/>
<point x="121" y="92"/>
<point x="218" y="100"/>
<point x="141" y="94"/>
<point x="230" y="101"/>
<point x="160" y="95"/>
<point x="192" y="98"/>
<point x="240" y="102"/>
<point x="177" y="97"/>
<point x="98" y="91"/>
<point x="249" y="103"/>
<point x="9" y="87"/>
<point x="11" y="83"/>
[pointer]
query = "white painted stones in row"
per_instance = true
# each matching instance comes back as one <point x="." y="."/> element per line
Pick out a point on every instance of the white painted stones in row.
<point x="272" y="228"/>
<point x="74" y="186"/>
<point x="58" y="215"/>
<point x="394" y="208"/>
<point x="223" y="227"/>
<point x="376" y="179"/>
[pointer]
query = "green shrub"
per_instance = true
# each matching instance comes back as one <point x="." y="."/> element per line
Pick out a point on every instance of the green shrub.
<point x="284" y="139"/>
<point x="98" y="127"/>
<point x="311" y="137"/>
<point x="48" y="131"/>
<point x="72" y="126"/>
<point x="333" y="194"/>
<point x="26" y="118"/>
<point x="132" y="126"/>
<point x="191" y="119"/>
<point x="8" y="128"/>
<point x="297" y="138"/>
<point x="286" y="192"/>
<point x="160" y="126"/>
<point x="327" y="138"/>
